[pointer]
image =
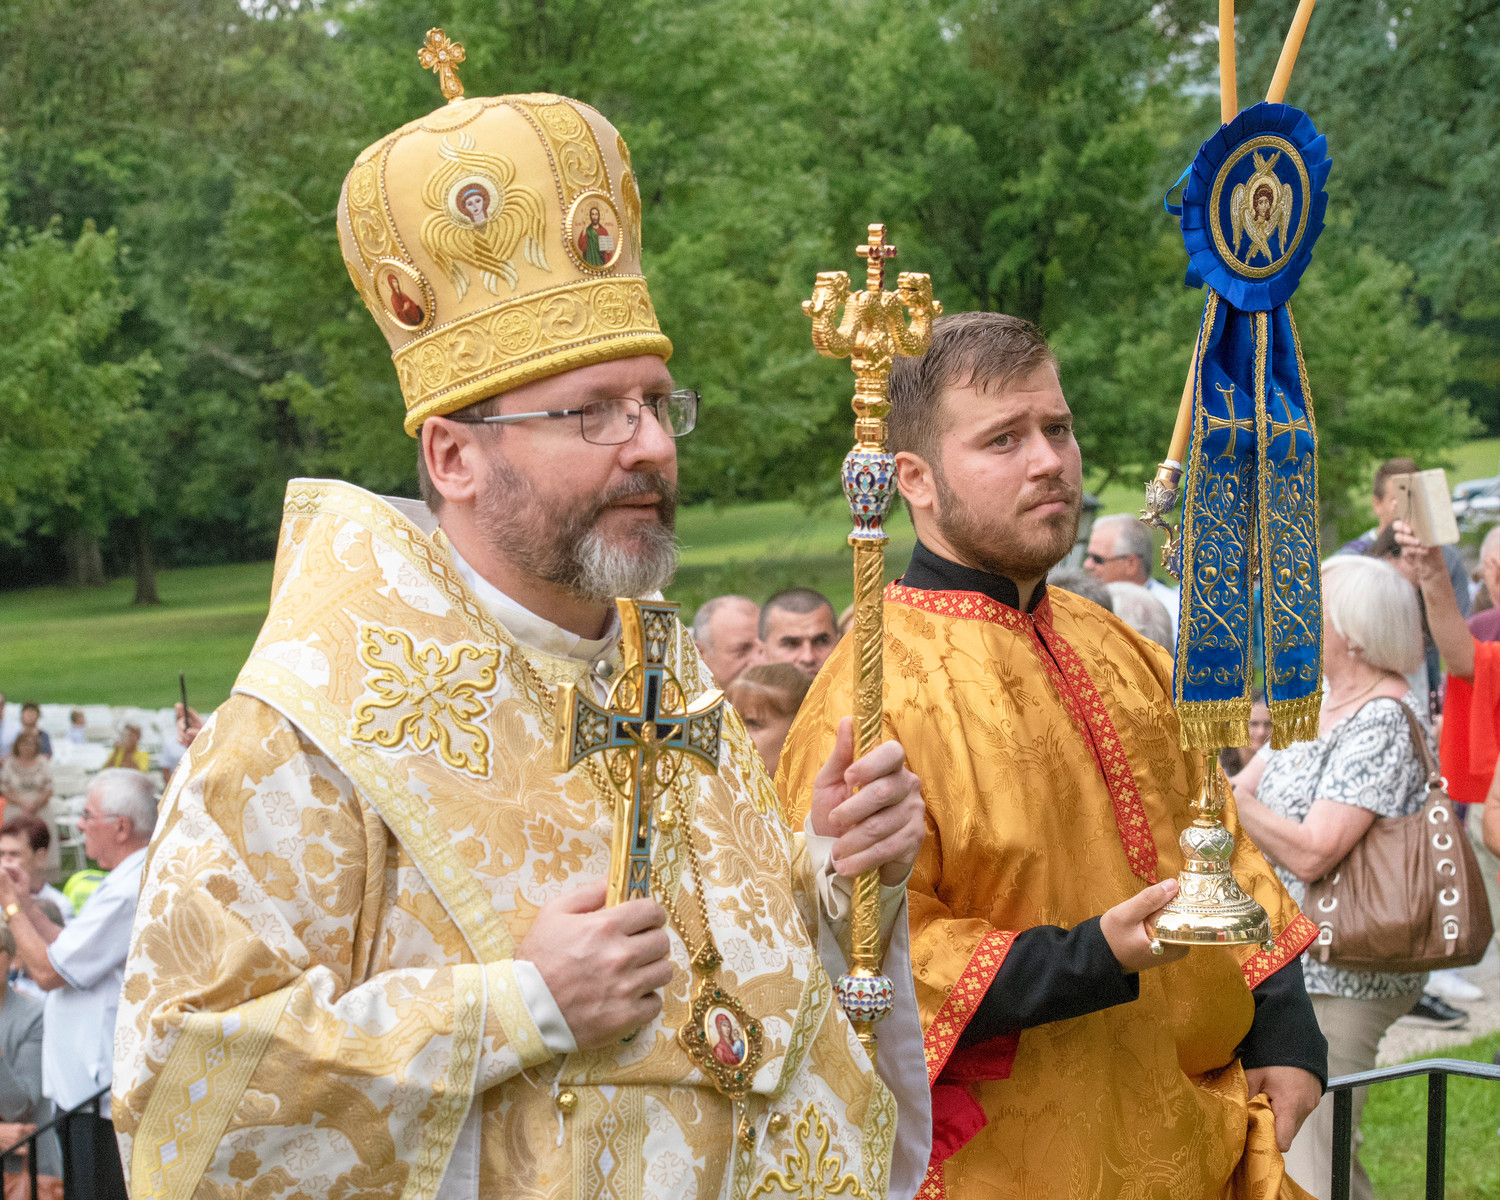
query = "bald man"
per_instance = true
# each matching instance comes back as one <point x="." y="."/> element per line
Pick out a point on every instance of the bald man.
<point x="725" y="631"/>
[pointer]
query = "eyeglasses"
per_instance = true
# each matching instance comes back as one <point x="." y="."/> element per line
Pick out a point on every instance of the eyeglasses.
<point x="88" y="818"/>
<point x="613" y="422"/>
<point x="1100" y="560"/>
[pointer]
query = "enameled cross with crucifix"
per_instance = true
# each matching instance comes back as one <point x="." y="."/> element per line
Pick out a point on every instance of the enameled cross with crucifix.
<point x="641" y="735"/>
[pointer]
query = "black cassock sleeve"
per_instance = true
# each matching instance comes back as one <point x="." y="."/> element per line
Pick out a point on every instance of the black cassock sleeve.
<point x="1285" y="1031"/>
<point x="1054" y="974"/>
<point x="1051" y="974"/>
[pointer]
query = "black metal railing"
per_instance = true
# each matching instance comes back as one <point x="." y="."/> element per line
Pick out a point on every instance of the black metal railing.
<point x="74" y="1187"/>
<point x="1437" y="1071"/>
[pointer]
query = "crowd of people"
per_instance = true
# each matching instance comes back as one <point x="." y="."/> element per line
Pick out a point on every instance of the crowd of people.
<point x="1393" y="612"/>
<point x="766" y="656"/>
<point x="1395" y="615"/>
<point x="62" y="955"/>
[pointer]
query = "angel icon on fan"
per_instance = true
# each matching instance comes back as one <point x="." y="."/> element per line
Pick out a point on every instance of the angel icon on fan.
<point x="1259" y="207"/>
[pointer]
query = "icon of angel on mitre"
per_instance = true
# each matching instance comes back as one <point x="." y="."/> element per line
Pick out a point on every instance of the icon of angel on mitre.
<point x="1259" y="208"/>
<point x="483" y="218"/>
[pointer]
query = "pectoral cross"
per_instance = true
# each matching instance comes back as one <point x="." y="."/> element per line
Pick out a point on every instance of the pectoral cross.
<point x="1234" y="426"/>
<point x="1289" y="427"/>
<point x="641" y="734"/>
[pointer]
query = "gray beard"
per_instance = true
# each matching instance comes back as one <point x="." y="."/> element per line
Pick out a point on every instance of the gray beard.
<point x="602" y="571"/>
<point x="569" y="549"/>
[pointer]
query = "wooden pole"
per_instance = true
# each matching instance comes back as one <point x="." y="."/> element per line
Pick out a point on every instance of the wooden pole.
<point x="1277" y="91"/>
<point x="1229" y="92"/>
<point x="1177" y="450"/>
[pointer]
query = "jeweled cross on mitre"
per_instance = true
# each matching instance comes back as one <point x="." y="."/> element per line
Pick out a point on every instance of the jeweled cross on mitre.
<point x="641" y="735"/>
<point x="441" y="54"/>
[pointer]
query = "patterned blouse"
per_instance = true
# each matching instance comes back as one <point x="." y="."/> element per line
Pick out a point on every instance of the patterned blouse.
<point x="1367" y="760"/>
<point x="22" y="785"/>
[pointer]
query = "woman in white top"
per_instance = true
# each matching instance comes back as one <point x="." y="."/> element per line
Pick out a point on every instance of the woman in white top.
<point x="1308" y="806"/>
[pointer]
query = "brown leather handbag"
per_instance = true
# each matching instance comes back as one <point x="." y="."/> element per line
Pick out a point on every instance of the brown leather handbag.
<point x="1410" y="896"/>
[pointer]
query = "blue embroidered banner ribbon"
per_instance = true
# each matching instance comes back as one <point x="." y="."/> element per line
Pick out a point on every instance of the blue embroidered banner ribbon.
<point x="1251" y="211"/>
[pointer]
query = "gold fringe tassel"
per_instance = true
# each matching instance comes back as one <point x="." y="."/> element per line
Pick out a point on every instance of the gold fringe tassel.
<point x="1210" y="725"/>
<point x="1295" y="720"/>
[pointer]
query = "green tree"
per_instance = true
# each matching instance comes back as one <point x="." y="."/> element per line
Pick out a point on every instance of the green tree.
<point x="1406" y="94"/>
<point x="1380" y="376"/>
<point x="71" y="421"/>
<point x="152" y="119"/>
<point x="1017" y="149"/>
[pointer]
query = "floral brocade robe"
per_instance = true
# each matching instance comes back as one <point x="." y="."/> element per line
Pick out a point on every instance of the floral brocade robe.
<point x="1055" y="789"/>
<point x="320" y="998"/>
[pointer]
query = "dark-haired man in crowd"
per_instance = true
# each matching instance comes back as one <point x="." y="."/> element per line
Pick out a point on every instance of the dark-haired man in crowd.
<point x="31" y="713"/>
<point x="1067" y="1058"/>
<point x="1383" y="501"/>
<point x="799" y="626"/>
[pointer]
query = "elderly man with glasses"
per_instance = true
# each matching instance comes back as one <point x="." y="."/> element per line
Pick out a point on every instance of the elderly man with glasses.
<point x="81" y="966"/>
<point x="1121" y="551"/>
<point x="379" y="924"/>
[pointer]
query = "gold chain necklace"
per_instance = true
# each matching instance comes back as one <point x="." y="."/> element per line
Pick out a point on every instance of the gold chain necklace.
<point x="1345" y="703"/>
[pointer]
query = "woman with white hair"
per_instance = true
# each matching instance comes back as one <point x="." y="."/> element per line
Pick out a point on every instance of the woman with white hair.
<point x="1308" y="806"/>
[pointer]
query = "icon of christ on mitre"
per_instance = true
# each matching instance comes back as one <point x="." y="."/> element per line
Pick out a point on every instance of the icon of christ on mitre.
<point x="381" y="953"/>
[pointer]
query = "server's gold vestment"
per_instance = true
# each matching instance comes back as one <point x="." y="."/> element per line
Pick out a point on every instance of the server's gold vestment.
<point x="321" y="998"/>
<point x="1055" y="789"/>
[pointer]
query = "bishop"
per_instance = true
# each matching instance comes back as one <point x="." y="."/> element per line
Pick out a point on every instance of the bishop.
<point x="375" y="956"/>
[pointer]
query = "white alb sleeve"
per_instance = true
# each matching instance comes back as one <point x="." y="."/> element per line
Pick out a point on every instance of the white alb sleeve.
<point x="545" y="1014"/>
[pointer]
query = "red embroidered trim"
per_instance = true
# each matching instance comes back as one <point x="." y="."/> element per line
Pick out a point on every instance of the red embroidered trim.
<point x="1087" y="710"/>
<point x="963" y="1000"/>
<point x="1294" y="939"/>
<point x="971" y="606"/>
<point x="932" y="1184"/>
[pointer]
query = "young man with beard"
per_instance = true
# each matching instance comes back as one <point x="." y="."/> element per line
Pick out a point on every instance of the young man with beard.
<point x="374" y="957"/>
<point x="1067" y="1059"/>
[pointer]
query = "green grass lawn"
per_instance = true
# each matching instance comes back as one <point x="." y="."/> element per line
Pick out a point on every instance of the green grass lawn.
<point x="91" y="647"/>
<point x="1395" y="1129"/>
<point x="757" y="549"/>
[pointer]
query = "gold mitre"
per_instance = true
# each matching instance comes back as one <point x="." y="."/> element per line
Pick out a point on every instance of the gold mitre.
<point x="497" y="240"/>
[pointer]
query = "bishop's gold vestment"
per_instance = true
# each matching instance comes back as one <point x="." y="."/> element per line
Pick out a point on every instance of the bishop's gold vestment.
<point x="1055" y="789"/>
<point x="321" y="998"/>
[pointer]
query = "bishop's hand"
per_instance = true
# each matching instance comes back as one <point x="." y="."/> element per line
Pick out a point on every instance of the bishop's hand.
<point x="873" y="807"/>
<point x="605" y="967"/>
